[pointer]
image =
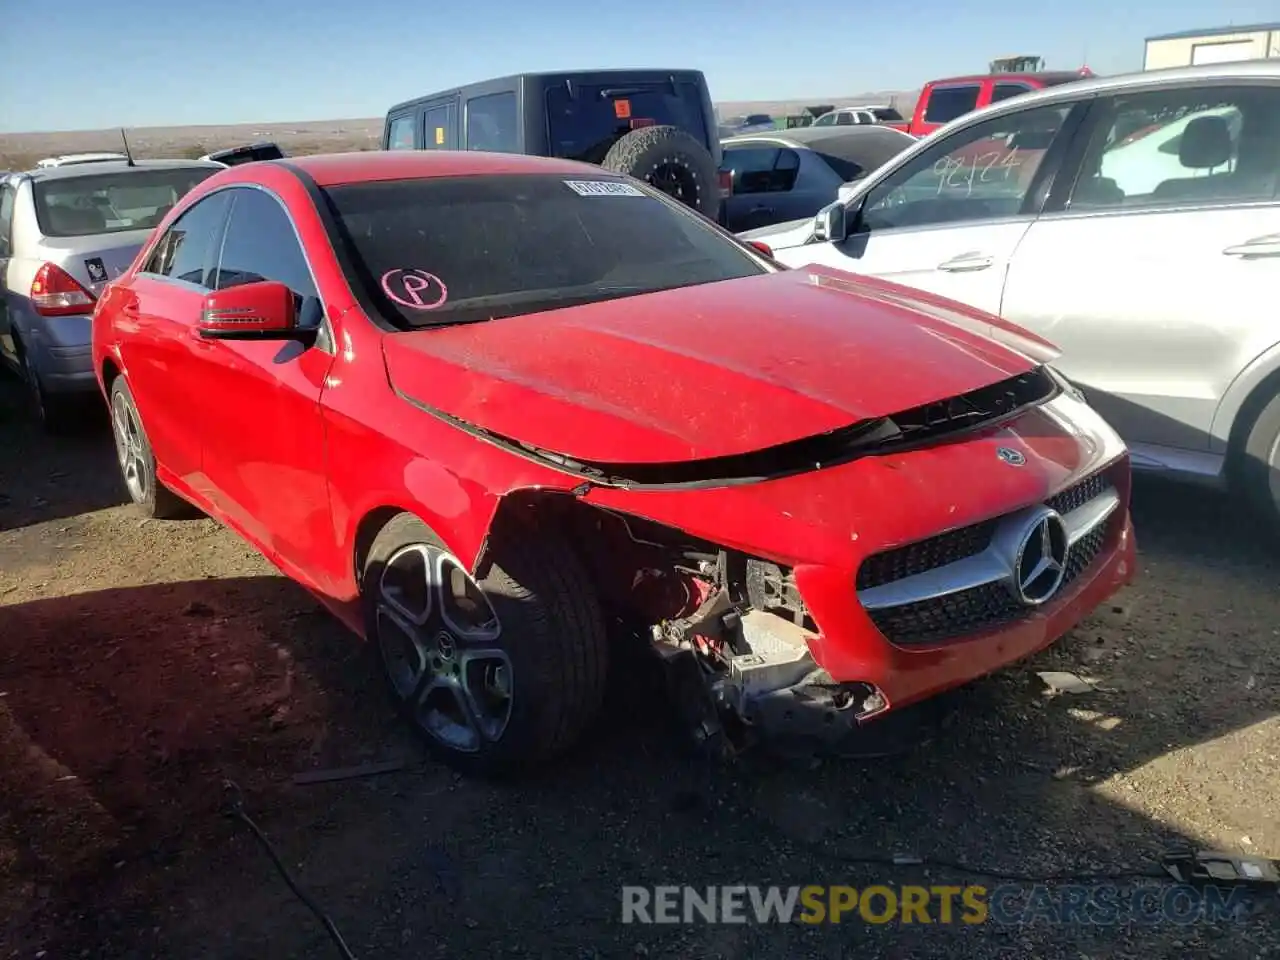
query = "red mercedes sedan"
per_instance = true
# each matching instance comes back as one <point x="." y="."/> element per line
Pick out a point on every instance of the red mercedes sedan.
<point x="500" y="413"/>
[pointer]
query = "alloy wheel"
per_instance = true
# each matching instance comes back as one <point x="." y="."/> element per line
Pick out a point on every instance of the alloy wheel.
<point x="129" y="448"/>
<point x="440" y="642"/>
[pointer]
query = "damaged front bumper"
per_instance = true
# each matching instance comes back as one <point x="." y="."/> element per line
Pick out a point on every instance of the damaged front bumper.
<point x="774" y="690"/>
<point x="780" y="689"/>
<point x="777" y="693"/>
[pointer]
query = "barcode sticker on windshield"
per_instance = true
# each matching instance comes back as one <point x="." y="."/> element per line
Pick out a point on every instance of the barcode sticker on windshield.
<point x="603" y="188"/>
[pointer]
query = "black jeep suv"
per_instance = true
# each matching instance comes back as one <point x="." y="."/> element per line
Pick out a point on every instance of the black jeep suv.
<point x="655" y="125"/>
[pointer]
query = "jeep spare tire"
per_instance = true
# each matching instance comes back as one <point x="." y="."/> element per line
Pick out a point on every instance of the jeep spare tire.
<point x="669" y="159"/>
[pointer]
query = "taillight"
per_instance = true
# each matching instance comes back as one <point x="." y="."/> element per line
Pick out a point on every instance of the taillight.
<point x="55" y="293"/>
<point x="726" y="184"/>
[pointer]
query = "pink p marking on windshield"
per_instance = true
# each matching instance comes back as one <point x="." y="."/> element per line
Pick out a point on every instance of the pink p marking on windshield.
<point x="410" y="288"/>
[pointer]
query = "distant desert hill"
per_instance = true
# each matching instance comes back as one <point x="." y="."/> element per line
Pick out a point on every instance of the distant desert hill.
<point x="19" y="151"/>
<point x="904" y="100"/>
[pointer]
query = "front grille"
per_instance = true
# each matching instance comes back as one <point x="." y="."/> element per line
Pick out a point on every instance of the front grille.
<point x="957" y="614"/>
<point x="882" y="568"/>
<point x="1079" y="494"/>
<point x="1084" y="551"/>
<point x="980" y="608"/>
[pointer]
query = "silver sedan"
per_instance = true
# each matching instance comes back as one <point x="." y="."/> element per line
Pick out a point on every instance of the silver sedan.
<point x="794" y="173"/>
<point x="66" y="230"/>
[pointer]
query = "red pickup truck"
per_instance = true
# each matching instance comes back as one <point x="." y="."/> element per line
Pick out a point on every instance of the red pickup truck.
<point x="942" y="101"/>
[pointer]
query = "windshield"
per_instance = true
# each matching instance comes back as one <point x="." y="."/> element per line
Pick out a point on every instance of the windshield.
<point x="461" y="249"/>
<point x="845" y="169"/>
<point x="584" y="124"/>
<point x="134" y="198"/>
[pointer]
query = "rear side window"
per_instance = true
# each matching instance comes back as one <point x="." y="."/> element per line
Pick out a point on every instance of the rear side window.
<point x="844" y="168"/>
<point x="438" y="127"/>
<point x="762" y="169"/>
<point x="1004" y="91"/>
<point x="400" y="134"/>
<point x="1216" y="145"/>
<point x="585" y="125"/>
<point x="503" y="246"/>
<point x="7" y="194"/>
<point x="493" y="124"/>
<point x="135" y="198"/>
<point x="947" y="103"/>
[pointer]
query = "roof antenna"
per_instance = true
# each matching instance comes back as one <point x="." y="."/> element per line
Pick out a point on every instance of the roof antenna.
<point x="127" y="153"/>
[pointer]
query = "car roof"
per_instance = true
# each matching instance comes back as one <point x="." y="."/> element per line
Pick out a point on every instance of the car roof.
<point x="1033" y="75"/>
<point x="612" y="73"/>
<point x="1241" y="70"/>
<point x="830" y="139"/>
<point x="67" y="159"/>
<point x="869" y="146"/>
<point x="76" y="170"/>
<point x="332" y="169"/>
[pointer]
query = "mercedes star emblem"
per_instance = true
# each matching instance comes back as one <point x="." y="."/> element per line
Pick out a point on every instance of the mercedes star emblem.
<point x="1010" y="456"/>
<point x="1041" y="561"/>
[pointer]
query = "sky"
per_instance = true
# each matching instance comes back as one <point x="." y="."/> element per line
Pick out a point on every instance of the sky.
<point x="176" y="62"/>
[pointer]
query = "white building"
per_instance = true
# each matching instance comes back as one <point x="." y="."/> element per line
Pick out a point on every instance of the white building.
<point x="1215" y="45"/>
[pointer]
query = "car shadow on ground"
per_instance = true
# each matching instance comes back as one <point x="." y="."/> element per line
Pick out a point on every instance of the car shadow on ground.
<point x="125" y="709"/>
<point x="46" y="478"/>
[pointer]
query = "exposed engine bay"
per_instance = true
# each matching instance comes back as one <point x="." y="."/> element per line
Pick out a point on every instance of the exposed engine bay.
<point x="732" y="632"/>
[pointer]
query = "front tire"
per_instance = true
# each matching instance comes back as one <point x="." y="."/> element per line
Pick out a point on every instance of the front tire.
<point x="498" y="673"/>
<point x="138" y="463"/>
<point x="1260" y="464"/>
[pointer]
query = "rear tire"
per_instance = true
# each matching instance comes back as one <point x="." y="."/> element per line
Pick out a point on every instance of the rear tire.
<point x="498" y="673"/>
<point x="138" y="463"/>
<point x="668" y="159"/>
<point x="55" y="414"/>
<point x="1259" y="467"/>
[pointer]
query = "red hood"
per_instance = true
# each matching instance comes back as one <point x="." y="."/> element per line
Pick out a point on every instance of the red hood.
<point x="714" y="370"/>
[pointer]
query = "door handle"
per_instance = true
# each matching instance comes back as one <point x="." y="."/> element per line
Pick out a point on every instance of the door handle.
<point x="1257" y="247"/>
<point x="760" y="210"/>
<point x="966" y="262"/>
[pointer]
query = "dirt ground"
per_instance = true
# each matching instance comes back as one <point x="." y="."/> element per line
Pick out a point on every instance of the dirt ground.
<point x="142" y="663"/>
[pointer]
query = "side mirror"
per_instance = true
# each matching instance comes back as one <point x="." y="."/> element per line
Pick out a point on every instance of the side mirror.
<point x="829" y="224"/>
<point x="262" y="310"/>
